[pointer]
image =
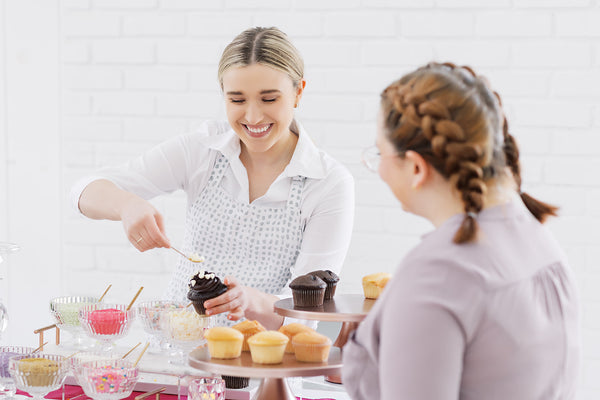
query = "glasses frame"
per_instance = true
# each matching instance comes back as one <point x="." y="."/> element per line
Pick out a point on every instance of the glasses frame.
<point x="371" y="158"/>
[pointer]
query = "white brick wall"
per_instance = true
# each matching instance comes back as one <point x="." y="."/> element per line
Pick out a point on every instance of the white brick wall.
<point x="136" y="72"/>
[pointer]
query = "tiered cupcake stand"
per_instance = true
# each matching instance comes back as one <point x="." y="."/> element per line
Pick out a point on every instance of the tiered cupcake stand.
<point x="348" y="309"/>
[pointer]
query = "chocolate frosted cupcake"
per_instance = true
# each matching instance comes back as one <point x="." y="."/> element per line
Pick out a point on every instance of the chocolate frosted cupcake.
<point x="308" y="291"/>
<point x="330" y="278"/>
<point x="203" y="286"/>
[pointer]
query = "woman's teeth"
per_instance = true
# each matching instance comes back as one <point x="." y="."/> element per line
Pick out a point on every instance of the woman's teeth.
<point x="258" y="130"/>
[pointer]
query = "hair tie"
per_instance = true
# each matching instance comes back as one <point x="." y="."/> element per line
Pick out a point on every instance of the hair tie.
<point x="471" y="214"/>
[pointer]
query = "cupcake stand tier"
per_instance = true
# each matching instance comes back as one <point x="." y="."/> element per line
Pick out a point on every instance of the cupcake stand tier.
<point x="273" y="385"/>
<point x="350" y="309"/>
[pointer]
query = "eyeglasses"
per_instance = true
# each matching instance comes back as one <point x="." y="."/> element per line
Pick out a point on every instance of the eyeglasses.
<point x="371" y="158"/>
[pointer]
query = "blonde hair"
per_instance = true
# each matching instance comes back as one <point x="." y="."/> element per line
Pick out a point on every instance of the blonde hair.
<point x="267" y="46"/>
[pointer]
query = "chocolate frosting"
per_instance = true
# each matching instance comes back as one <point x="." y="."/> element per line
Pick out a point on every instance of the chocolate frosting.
<point x="205" y="286"/>
<point x="327" y="275"/>
<point x="308" y="282"/>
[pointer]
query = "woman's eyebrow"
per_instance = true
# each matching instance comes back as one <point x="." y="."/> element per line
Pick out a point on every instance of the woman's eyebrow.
<point x="266" y="91"/>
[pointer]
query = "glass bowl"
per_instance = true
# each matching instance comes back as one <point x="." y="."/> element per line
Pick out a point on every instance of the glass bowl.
<point x="207" y="388"/>
<point x="150" y="313"/>
<point x="86" y="356"/>
<point x="38" y="374"/>
<point x="65" y="311"/>
<point x="7" y="384"/>
<point x="106" y="322"/>
<point x="185" y="329"/>
<point x="107" y="379"/>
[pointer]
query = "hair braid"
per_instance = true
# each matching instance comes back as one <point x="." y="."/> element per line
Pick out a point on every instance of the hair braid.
<point x="539" y="209"/>
<point x="450" y="116"/>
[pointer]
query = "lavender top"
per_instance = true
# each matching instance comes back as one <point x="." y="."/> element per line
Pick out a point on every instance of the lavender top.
<point x="495" y="319"/>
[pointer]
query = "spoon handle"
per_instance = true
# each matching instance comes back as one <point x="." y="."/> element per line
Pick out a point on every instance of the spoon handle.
<point x="180" y="252"/>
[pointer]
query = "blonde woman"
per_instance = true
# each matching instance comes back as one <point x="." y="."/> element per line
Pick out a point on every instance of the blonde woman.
<point x="485" y="307"/>
<point x="263" y="203"/>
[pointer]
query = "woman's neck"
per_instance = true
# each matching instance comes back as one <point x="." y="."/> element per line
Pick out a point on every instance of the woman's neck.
<point x="276" y="158"/>
<point x="447" y="202"/>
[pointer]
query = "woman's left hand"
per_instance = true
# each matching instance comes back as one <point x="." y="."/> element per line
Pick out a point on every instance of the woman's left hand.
<point x="235" y="300"/>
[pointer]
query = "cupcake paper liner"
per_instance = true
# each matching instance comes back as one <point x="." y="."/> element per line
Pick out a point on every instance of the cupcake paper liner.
<point x="308" y="298"/>
<point x="235" y="382"/>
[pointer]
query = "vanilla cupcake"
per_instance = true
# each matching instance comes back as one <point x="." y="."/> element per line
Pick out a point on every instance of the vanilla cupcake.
<point x="268" y="347"/>
<point x="373" y="284"/>
<point x="224" y="342"/>
<point x="311" y="347"/>
<point x="248" y="328"/>
<point x="291" y="330"/>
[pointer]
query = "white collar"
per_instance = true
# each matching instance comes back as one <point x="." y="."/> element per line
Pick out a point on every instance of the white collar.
<point x="306" y="160"/>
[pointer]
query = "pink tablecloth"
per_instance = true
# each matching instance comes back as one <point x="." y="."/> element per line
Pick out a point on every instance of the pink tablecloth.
<point x="73" y="390"/>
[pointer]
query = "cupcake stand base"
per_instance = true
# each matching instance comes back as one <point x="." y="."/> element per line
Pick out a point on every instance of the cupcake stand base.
<point x="349" y="309"/>
<point x="273" y="384"/>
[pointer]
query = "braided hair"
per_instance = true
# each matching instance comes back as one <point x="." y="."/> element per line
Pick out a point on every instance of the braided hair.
<point x="451" y="117"/>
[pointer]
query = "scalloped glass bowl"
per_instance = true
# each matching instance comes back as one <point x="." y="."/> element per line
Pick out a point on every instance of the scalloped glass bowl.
<point x="107" y="379"/>
<point x="106" y="322"/>
<point x="65" y="311"/>
<point x="87" y="356"/>
<point x="38" y="374"/>
<point x="185" y="329"/>
<point x="7" y="383"/>
<point x="150" y="313"/>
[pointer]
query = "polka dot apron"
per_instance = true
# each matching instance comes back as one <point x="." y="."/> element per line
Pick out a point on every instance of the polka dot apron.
<point x="257" y="245"/>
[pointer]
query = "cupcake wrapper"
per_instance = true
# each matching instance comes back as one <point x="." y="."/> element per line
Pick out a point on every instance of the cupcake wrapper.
<point x="312" y="352"/>
<point x="372" y="292"/>
<point x="199" y="307"/>
<point x="235" y="382"/>
<point x="308" y="298"/>
<point x="330" y="291"/>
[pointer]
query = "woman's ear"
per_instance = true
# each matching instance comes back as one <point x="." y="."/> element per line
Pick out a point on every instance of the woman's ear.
<point x="299" y="91"/>
<point x="420" y="169"/>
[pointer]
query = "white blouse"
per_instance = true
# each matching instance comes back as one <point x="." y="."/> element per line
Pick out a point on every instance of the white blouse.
<point x="185" y="162"/>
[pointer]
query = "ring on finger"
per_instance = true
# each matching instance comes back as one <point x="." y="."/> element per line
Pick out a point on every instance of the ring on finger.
<point x="139" y="240"/>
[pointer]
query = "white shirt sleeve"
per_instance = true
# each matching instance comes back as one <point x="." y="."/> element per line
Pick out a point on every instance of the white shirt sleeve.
<point x="328" y="230"/>
<point x="179" y="163"/>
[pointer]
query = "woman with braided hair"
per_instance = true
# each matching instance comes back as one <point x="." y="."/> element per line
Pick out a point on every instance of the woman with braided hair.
<point x="485" y="307"/>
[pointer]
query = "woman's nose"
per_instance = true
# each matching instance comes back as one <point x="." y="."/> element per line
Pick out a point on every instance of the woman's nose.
<point x="253" y="113"/>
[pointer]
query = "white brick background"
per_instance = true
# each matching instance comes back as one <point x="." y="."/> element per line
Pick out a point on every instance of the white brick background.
<point x="131" y="73"/>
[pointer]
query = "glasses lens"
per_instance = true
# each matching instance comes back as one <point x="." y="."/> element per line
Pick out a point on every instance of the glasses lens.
<point x="371" y="158"/>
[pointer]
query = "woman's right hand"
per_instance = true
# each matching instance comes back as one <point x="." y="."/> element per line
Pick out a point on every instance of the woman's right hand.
<point x="143" y="224"/>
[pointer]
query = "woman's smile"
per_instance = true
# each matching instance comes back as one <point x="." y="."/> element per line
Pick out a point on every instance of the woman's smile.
<point x="257" y="131"/>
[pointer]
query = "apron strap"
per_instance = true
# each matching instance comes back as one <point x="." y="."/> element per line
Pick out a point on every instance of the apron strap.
<point x="295" y="198"/>
<point x="218" y="171"/>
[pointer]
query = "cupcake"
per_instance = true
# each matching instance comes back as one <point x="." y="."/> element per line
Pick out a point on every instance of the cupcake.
<point x="373" y="284"/>
<point x="224" y="342"/>
<point x="308" y="291"/>
<point x="235" y="382"/>
<point x="268" y="347"/>
<point x="330" y="278"/>
<point x="291" y="330"/>
<point x="311" y="347"/>
<point x="248" y="328"/>
<point x="203" y="286"/>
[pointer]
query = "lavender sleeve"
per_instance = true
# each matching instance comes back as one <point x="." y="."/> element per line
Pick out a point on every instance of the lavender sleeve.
<point x="414" y="339"/>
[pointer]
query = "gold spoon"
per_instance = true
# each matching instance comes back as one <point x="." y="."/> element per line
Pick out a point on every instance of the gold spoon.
<point x="193" y="258"/>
